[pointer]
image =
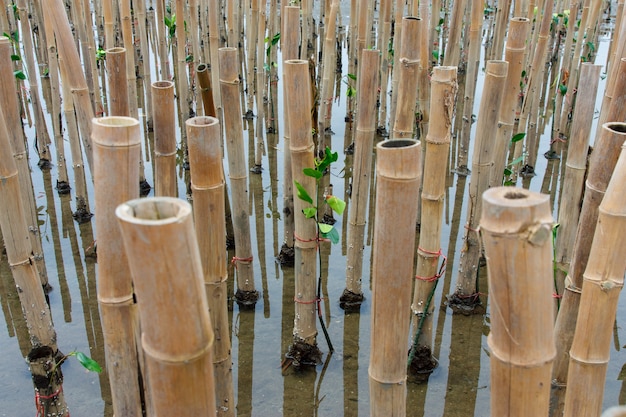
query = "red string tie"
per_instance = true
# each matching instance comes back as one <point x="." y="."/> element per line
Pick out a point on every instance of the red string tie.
<point x="39" y="397"/>
<point x="237" y="259"/>
<point x="442" y="268"/>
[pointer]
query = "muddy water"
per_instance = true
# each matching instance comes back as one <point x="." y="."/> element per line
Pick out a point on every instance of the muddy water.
<point x="338" y="387"/>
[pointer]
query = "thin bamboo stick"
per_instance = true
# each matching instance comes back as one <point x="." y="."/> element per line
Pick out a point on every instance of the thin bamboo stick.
<point x="214" y="19"/>
<point x="159" y="238"/>
<point x="602" y="284"/>
<point x="383" y="44"/>
<point x="352" y="296"/>
<point x="166" y="72"/>
<point x="575" y="170"/>
<point x="616" y="103"/>
<point x="260" y="93"/>
<point x="404" y="117"/>
<point x="601" y="165"/>
<point x="465" y="298"/>
<point x="442" y="101"/>
<point x="182" y="82"/>
<point x="206" y="90"/>
<point x="116" y="179"/>
<point x="109" y="23"/>
<point x="329" y="60"/>
<point x="164" y="139"/>
<point x="144" y="57"/>
<point x="246" y="294"/>
<point x="516" y="226"/>
<point x="208" y="187"/>
<point x="452" y="54"/>
<point x="118" y="82"/>
<point x="398" y="171"/>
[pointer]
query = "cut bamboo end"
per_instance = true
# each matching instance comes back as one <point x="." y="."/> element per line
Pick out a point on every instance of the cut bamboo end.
<point x="511" y="210"/>
<point x="401" y="159"/>
<point x="205" y="151"/>
<point x="115" y="131"/>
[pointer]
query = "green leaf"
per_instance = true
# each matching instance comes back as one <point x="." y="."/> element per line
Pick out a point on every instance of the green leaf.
<point x="509" y="184"/>
<point x="325" y="228"/>
<point x="351" y="76"/>
<point x="302" y="193"/>
<point x="16" y="58"/>
<point x="351" y="92"/>
<point x="562" y="89"/>
<point x="19" y="74"/>
<point x="88" y="363"/>
<point x="336" y="203"/>
<point x="310" y="172"/>
<point x="507" y="172"/>
<point x="518" y="137"/>
<point x="332" y="235"/>
<point x="309" y="212"/>
<point x="516" y="160"/>
<point x="189" y="58"/>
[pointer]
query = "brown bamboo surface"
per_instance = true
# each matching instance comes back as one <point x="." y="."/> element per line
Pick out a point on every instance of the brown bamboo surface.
<point x="482" y="162"/>
<point x="116" y="179"/>
<point x="118" y="83"/>
<point x="404" y="116"/>
<point x="362" y="171"/>
<point x="616" y="109"/>
<point x="164" y="139"/>
<point x="206" y="91"/>
<point x="603" y="280"/>
<point x="398" y="171"/>
<point x="214" y="19"/>
<point x="328" y="72"/>
<point x="516" y="226"/>
<point x="129" y="45"/>
<point x="575" y="169"/>
<point x="176" y="335"/>
<point x="208" y="188"/>
<point x="238" y="173"/>
<point x="437" y="147"/>
<point x="601" y="166"/>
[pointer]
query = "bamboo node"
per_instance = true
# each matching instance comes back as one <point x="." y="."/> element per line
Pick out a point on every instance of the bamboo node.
<point x="442" y="268"/>
<point x="538" y="234"/>
<point x="26" y="261"/>
<point x="242" y="260"/>
<point x="409" y="62"/>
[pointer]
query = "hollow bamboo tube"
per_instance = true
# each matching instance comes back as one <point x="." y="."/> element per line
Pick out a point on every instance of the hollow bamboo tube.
<point x="616" y="72"/>
<point x="423" y="81"/>
<point x="516" y="226"/>
<point x="118" y="83"/>
<point x="603" y="280"/>
<point x="361" y="174"/>
<point x="206" y="91"/>
<point x="246" y="294"/>
<point x="442" y="101"/>
<point x="116" y="179"/>
<point x="289" y="41"/>
<point x="301" y="147"/>
<point x="404" y="117"/>
<point x="616" y="108"/>
<point x="10" y="108"/>
<point x="75" y="78"/>
<point x="160" y="242"/>
<point x="398" y="171"/>
<point x="166" y="72"/>
<point x="601" y="166"/>
<point x="164" y="139"/>
<point x="208" y="187"/>
<point x="575" y="169"/>
<point x="514" y="55"/>
<point x="465" y="296"/>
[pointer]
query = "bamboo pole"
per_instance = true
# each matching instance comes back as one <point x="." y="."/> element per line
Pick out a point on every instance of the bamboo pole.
<point x="616" y="72"/>
<point x="118" y="82"/>
<point x="516" y="226"/>
<point x="166" y="72"/>
<point x="329" y="60"/>
<point x="164" y="139"/>
<point x="289" y="42"/>
<point x="208" y="187"/>
<point x="442" y="101"/>
<point x="465" y="298"/>
<point x="603" y="280"/>
<point x="206" y="90"/>
<point x="616" y="104"/>
<point x="303" y="350"/>
<point x="384" y="33"/>
<point x="575" y="170"/>
<point x="404" y="116"/>
<point x="10" y="108"/>
<point x="182" y="82"/>
<point x="160" y="240"/>
<point x="514" y="55"/>
<point x="116" y="179"/>
<point x="601" y="165"/>
<point x="452" y="54"/>
<point x="352" y="295"/>
<point x="144" y="57"/>
<point x="500" y="31"/>
<point x="246" y="295"/>
<point x="260" y="93"/>
<point x="214" y="19"/>
<point x="398" y="171"/>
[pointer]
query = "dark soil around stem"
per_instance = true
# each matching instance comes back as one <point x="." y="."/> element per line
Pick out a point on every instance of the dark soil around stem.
<point x="422" y="365"/>
<point x="351" y="302"/>
<point x="63" y="187"/>
<point x="286" y="256"/>
<point x="466" y="305"/>
<point x="82" y="215"/>
<point x="144" y="188"/>
<point x="303" y="354"/>
<point x="246" y="300"/>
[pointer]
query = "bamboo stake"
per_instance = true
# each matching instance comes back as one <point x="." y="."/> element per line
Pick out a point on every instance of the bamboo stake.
<point x="502" y="14"/>
<point x="10" y="109"/>
<point x="164" y="139"/>
<point x="452" y="54"/>
<point x="329" y="60"/>
<point x="80" y="21"/>
<point x="182" y="83"/>
<point x="404" y="117"/>
<point x="260" y="94"/>
<point x="601" y="166"/>
<point x="109" y="24"/>
<point x="616" y="103"/>
<point x="289" y="41"/>
<point x="116" y="155"/>
<point x="206" y="90"/>
<point x="398" y="171"/>
<point x="514" y="55"/>
<point x="159" y="237"/>
<point x="442" y="101"/>
<point x="144" y="57"/>
<point x="214" y="18"/>
<point x="246" y="295"/>
<point x="166" y="72"/>
<point x="303" y="350"/>
<point x="602" y="283"/>
<point x="385" y="64"/>
<point x="516" y="226"/>
<point x="352" y="296"/>
<point x="465" y="299"/>
<point x="118" y="82"/>
<point x="575" y="170"/>
<point x="208" y="187"/>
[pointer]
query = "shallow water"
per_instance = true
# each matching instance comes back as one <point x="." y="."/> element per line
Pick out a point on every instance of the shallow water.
<point x="458" y="387"/>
